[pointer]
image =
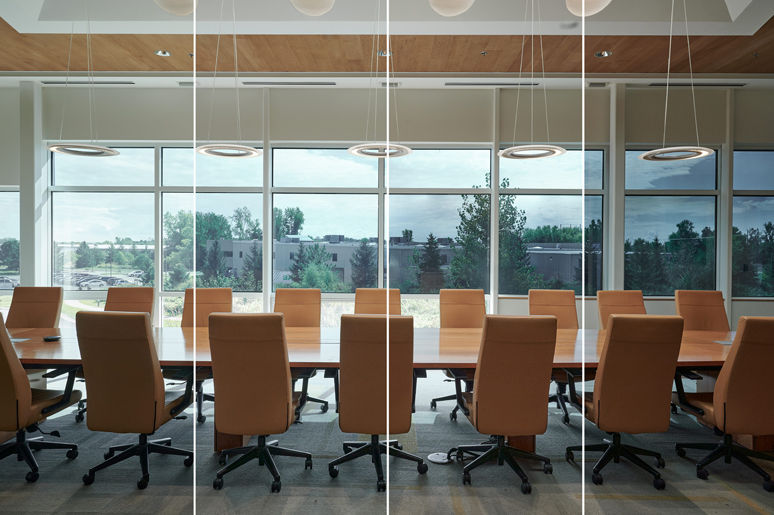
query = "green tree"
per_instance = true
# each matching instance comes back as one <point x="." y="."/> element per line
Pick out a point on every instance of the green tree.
<point x="317" y="275"/>
<point x="9" y="254"/>
<point x="431" y="257"/>
<point x="517" y="275"/>
<point x="469" y="266"/>
<point x="408" y="234"/>
<point x="144" y="264"/>
<point x="178" y="277"/>
<point x="84" y="256"/>
<point x="214" y="265"/>
<point x="252" y="267"/>
<point x="244" y="227"/>
<point x="209" y="227"/>
<point x="288" y="222"/>
<point x="364" y="266"/>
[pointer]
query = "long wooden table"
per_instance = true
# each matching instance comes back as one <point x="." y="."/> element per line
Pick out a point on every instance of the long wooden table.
<point x="319" y="348"/>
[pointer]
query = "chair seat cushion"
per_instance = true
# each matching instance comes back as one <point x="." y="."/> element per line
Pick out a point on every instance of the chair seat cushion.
<point x="705" y="401"/>
<point x="42" y="399"/>
<point x="172" y="399"/>
<point x="202" y="374"/>
<point x="467" y="400"/>
<point x="558" y="375"/>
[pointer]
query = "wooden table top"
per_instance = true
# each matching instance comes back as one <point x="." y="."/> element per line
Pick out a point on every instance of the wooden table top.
<point x="318" y="347"/>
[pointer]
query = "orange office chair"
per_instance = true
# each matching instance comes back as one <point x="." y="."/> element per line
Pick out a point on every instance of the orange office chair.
<point x="737" y="406"/>
<point x="512" y="374"/>
<point x="22" y="408"/>
<point x="617" y="302"/>
<point x="302" y="308"/>
<point x="35" y="306"/>
<point x="126" y="388"/>
<point x="363" y="368"/>
<point x="241" y="346"/>
<point x="373" y="301"/>
<point x="460" y="309"/>
<point x="650" y="345"/>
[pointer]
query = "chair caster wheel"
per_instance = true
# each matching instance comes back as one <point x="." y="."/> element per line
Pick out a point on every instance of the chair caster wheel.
<point x="188" y="461"/>
<point x="308" y="463"/>
<point x="381" y="485"/>
<point x="659" y="484"/>
<point x="460" y="456"/>
<point x="31" y="476"/>
<point x="108" y="455"/>
<point x="222" y="460"/>
<point x="201" y="419"/>
<point x="72" y="454"/>
<point x="660" y="463"/>
<point x="768" y="486"/>
<point x="465" y="478"/>
<point x="680" y="452"/>
<point x="674" y="409"/>
<point x="569" y="457"/>
<point x="142" y="483"/>
<point x="398" y="446"/>
<point x="526" y="488"/>
<point x="566" y="419"/>
<point x="276" y="486"/>
<point x="453" y="416"/>
<point x="218" y="483"/>
<point x="596" y="478"/>
<point x="422" y="468"/>
<point x="548" y="468"/>
<point x="433" y="405"/>
<point x="702" y="473"/>
<point x="323" y="408"/>
<point x="79" y="417"/>
<point x="333" y="471"/>
<point x="87" y="479"/>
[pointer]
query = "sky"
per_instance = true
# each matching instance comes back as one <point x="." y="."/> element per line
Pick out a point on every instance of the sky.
<point x="94" y="217"/>
<point x="9" y="214"/>
<point x="648" y="217"/>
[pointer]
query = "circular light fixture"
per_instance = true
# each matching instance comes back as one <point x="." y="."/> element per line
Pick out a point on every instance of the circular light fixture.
<point x="82" y="150"/>
<point x="313" y="7"/>
<point x="676" y="153"/>
<point x="592" y="6"/>
<point x="603" y="53"/>
<point x="228" y="150"/>
<point x="379" y="150"/>
<point x="450" y="7"/>
<point x="162" y="53"/>
<point x="177" y="7"/>
<point x="531" y="151"/>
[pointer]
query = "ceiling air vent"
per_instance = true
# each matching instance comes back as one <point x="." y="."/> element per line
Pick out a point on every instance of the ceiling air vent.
<point x="493" y="84"/>
<point x="288" y="83"/>
<point x="85" y="82"/>
<point x="392" y="84"/>
<point x="697" y="85"/>
<point x="598" y="84"/>
<point x="188" y="84"/>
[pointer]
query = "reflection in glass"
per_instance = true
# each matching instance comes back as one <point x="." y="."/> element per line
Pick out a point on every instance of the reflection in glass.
<point x="670" y="244"/>
<point x="133" y="167"/>
<point x="559" y="172"/>
<point x="753" y="247"/>
<point x="177" y="169"/>
<point x="441" y="169"/>
<point x="753" y="170"/>
<point x="693" y="174"/>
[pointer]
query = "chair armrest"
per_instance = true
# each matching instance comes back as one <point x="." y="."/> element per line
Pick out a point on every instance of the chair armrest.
<point x="572" y="373"/>
<point x="68" y="391"/>
<point x="189" y="381"/>
<point x="679" y="374"/>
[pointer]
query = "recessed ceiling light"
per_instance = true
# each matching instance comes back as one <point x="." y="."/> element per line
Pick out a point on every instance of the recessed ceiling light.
<point x="162" y="53"/>
<point x="604" y="53"/>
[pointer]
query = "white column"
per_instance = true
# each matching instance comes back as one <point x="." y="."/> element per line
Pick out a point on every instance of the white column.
<point x="34" y="246"/>
<point x="614" y="208"/>
<point x="268" y="207"/>
<point x="725" y="209"/>
<point x="494" y="231"/>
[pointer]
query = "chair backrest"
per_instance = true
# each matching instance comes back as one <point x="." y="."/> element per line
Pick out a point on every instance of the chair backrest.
<point x="701" y="310"/>
<point x="462" y="309"/>
<point x="742" y="404"/>
<point x="513" y="374"/>
<point x="35" y="306"/>
<point x="363" y="374"/>
<point x="373" y="301"/>
<point x="208" y="300"/>
<point x="243" y="345"/>
<point x="619" y="302"/>
<point x="135" y="300"/>
<point x="15" y="393"/>
<point x="301" y="306"/>
<point x="559" y="303"/>
<point x="633" y="385"/>
<point x="123" y="378"/>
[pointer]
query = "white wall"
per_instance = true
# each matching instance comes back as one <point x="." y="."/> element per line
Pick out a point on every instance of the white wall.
<point x="754" y="117"/>
<point x="9" y="137"/>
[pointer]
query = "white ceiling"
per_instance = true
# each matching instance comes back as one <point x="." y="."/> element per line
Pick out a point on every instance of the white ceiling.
<point x="621" y="17"/>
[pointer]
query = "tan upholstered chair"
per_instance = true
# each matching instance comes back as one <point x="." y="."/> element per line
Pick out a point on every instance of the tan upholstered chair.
<point x="373" y="301"/>
<point x="22" y="408"/>
<point x="125" y="386"/>
<point x="35" y="306"/>
<point x="650" y="345"/>
<point x="740" y="404"/>
<point x="617" y="302"/>
<point x="513" y="374"/>
<point x="561" y="304"/>
<point x="701" y="310"/>
<point x="460" y="309"/>
<point x="241" y="345"/>
<point x="208" y="301"/>
<point x="302" y="308"/>
<point x="363" y="366"/>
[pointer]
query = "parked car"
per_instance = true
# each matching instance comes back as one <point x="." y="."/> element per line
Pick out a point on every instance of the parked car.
<point x="91" y="284"/>
<point x="136" y="273"/>
<point x="6" y="283"/>
<point x="120" y="282"/>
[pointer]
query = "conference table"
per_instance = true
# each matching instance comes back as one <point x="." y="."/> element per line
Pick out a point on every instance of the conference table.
<point x="319" y="348"/>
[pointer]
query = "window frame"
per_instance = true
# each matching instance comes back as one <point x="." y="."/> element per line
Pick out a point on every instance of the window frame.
<point x="17" y="190"/>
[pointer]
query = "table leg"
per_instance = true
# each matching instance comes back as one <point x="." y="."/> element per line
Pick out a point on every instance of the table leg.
<point x="523" y="443"/>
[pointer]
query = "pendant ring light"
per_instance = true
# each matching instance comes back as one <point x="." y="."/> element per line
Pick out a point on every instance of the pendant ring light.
<point x="379" y="150"/>
<point x="227" y="150"/>
<point x="82" y="149"/>
<point x="533" y="150"/>
<point x="685" y="152"/>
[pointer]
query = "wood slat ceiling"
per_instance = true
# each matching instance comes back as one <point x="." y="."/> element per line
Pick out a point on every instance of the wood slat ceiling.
<point x="352" y="53"/>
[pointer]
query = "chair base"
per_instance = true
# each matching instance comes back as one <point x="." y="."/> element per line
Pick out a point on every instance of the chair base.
<point x="263" y="452"/>
<point x="375" y="448"/>
<point x="456" y="397"/>
<point x="22" y="447"/>
<point x="728" y="449"/>
<point x="503" y="454"/>
<point x="141" y="449"/>
<point x="561" y="400"/>
<point x="614" y="451"/>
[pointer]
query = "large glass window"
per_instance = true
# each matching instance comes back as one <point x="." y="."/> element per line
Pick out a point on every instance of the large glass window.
<point x="9" y="247"/>
<point x="441" y="169"/>
<point x="132" y="167"/>
<point x="691" y="174"/>
<point x="177" y="169"/>
<point x="560" y="172"/>
<point x="319" y="168"/>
